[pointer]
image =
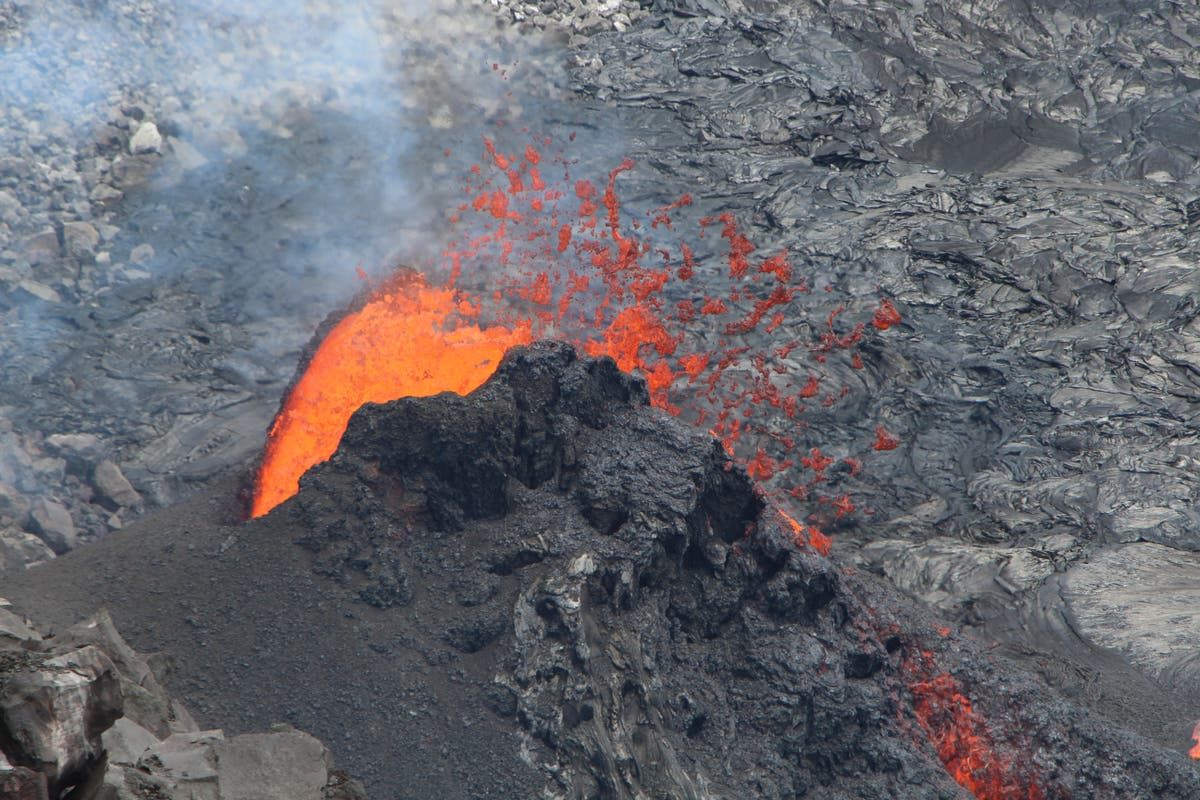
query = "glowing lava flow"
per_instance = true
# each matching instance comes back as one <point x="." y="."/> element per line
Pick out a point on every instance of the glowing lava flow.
<point x="961" y="738"/>
<point x="1195" y="751"/>
<point x="407" y="341"/>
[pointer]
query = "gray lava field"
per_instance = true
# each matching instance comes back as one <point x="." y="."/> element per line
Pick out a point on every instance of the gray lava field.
<point x="187" y="188"/>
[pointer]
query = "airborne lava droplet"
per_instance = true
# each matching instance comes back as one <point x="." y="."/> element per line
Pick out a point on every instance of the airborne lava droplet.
<point x="886" y="316"/>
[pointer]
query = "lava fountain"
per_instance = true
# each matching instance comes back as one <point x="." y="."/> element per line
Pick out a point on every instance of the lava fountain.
<point x="717" y="339"/>
<point x="722" y="354"/>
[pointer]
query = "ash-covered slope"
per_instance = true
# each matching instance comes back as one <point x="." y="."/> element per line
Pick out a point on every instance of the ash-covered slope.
<point x="548" y="588"/>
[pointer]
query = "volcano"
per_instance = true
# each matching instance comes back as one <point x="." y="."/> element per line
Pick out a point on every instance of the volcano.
<point x="549" y="587"/>
<point x="901" y="503"/>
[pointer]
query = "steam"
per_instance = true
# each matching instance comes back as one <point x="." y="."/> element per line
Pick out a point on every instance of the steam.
<point x="342" y="100"/>
<point x="299" y="141"/>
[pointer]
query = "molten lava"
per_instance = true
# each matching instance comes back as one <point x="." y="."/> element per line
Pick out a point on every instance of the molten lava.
<point x="408" y="340"/>
<point x="962" y="740"/>
<point x="549" y="255"/>
<point x="1195" y="751"/>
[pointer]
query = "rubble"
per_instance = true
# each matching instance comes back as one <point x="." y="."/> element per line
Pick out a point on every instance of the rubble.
<point x="83" y="710"/>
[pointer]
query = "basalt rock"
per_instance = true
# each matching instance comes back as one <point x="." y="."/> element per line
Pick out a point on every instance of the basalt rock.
<point x="548" y="587"/>
<point x="53" y="710"/>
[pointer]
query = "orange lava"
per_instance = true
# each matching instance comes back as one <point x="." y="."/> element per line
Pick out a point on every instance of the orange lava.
<point x="962" y="739"/>
<point x="885" y="440"/>
<point x="1195" y="751"/>
<point x="809" y="536"/>
<point x="407" y="341"/>
<point x="557" y="256"/>
<point x="886" y="316"/>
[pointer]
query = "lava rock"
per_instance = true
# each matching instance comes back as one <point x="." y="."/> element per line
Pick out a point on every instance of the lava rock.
<point x="22" y="783"/>
<point x="14" y="629"/>
<point x="52" y="522"/>
<point x="79" y="449"/>
<point x="42" y="246"/>
<point x="39" y="291"/>
<point x="53" y="712"/>
<point x="146" y="139"/>
<point x="103" y="193"/>
<point x="114" y="488"/>
<point x="19" y="549"/>
<point x="14" y="505"/>
<point x="80" y="239"/>
<point x="281" y="765"/>
<point x="126" y="742"/>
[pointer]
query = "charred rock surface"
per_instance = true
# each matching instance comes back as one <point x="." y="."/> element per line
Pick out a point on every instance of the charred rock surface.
<point x="548" y="586"/>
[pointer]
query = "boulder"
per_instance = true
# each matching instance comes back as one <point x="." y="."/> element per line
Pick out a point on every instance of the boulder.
<point x="54" y="710"/>
<point x="15" y="630"/>
<point x="146" y="139"/>
<point x="126" y="742"/>
<point x="285" y="764"/>
<point x="81" y="239"/>
<point x="114" y="488"/>
<point x="79" y="449"/>
<point x="20" y="549"/>
<point x="42" y="246"/>
<point x="52" y="522"/>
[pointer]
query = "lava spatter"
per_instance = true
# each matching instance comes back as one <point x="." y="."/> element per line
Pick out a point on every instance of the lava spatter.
<point x="961" y="737"/>
<point x="550" y="255"/>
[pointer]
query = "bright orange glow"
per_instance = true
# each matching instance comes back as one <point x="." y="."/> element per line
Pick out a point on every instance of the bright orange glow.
<point x="814" y="539"/>
<point x="1195" y="751"/>
<point x="961" y="738"/>
<point x="407" y="341"/>
<point x="560" y="258"/>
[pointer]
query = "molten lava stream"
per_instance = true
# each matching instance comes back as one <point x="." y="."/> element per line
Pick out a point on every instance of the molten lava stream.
<point x="962" y="739"/>
<point x="409" y="341"/>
